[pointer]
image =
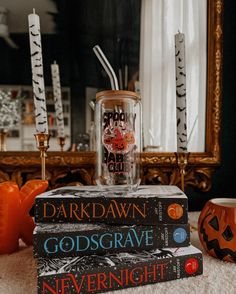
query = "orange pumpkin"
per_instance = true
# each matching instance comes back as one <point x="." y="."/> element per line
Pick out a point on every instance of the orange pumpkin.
<point x="217" y="228"/>
<point x="129" y="138"/>
<point x="9" y="217"/>
<point x="107" y="140"/>
<point x="15" y="221"/>
<point x="28" y="193"/>
<point x="119" y="145"/>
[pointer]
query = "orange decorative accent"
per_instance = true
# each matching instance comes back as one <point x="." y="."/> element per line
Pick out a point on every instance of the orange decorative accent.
<point x="175" y="211"/>
<point x="217" y="228"/>
<point x="117" y="140"/>
<point x="118" y="143"/>
<point x="129" y="138"/>
<point x="9" y="217"/>
<point x="15" y="221"/>
<point x="28" y="193"/>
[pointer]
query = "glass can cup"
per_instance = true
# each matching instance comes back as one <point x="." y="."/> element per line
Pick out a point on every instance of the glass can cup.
<point x="118" y="119"/>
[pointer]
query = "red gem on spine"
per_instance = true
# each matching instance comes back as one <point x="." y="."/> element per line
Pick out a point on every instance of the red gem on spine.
<point x="191" y="266"/>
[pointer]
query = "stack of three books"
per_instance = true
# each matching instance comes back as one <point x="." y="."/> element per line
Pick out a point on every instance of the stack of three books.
<point x="88" y="241"/>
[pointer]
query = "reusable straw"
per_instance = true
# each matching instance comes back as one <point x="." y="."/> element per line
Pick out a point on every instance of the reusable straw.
<point x="106" y="65"/>
<point x="92" y="105"/>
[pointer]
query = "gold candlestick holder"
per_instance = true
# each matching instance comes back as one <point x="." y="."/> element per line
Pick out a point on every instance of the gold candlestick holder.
<point x="61" y="141"/>
<point x="182" y="162"/>
<point x="42" y="143"/>
<point x="3" y="136"/>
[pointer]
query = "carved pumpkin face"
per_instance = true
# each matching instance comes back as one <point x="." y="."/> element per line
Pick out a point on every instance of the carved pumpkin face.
<point x="119" y="145"/>
<point x="217" y="228"/>
<point x="107" y="140"/>
<point x="129" y="138"/>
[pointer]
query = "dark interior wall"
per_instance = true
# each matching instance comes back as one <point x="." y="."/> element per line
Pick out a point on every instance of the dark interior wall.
<point x="223" y="184"/>
<point x="15" y="66"/>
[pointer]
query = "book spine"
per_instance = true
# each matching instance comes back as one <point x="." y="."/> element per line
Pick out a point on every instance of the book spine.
<point x="145" y="211"/>
<point x="121" y="277"/>
<point x="110" y="240"/>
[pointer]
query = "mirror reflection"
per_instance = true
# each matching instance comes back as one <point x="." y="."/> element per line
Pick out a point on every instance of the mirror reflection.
<point x="138" y="40"/>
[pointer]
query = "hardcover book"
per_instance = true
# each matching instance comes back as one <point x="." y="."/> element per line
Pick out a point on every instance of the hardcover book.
<point x="95" y="274"/>
<point x="62" y="240"/>
<point x="148" y="205"/>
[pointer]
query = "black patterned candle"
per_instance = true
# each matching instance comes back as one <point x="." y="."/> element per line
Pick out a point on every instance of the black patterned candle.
<point x="181" y="113"/>
<point x="37" y="74"/>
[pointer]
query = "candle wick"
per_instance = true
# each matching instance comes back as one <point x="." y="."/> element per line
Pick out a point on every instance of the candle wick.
<point x="55" y="62"/>
<point x="33" y="10"/>
<point x="178" y="31"/>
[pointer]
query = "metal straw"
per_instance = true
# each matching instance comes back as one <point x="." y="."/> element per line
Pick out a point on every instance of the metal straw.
<point x="107" y="67"/>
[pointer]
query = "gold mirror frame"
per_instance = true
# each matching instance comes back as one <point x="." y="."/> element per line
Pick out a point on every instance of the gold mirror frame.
<point x="157" y="168"/>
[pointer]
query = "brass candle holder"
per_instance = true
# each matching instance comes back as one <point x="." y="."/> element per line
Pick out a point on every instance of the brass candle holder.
<point x="182" y="162"/>
<point x="61" y="141"/>
<point x="3" y="136"/>
<point x="42" y="143"/>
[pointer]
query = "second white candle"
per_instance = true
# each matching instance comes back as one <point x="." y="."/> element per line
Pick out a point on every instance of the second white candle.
<point x="58" y="100"/>
<point x="181" y="110"/>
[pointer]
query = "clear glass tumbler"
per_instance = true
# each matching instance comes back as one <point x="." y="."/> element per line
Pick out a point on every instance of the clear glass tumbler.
<point x="118" y="140"/>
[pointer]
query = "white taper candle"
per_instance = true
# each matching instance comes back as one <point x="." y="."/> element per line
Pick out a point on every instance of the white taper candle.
<point x="57" y="100"/>
<point x="181" y="110"/>
<point x="37" y="74"/>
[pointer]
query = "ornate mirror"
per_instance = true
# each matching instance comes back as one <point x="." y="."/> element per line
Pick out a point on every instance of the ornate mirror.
<point x="158" y="167"/>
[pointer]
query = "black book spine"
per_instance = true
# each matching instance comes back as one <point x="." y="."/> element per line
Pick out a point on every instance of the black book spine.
<point x="111" y="278"/>
<point x="112" y="210"/>
<point x="112" y="239"/>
